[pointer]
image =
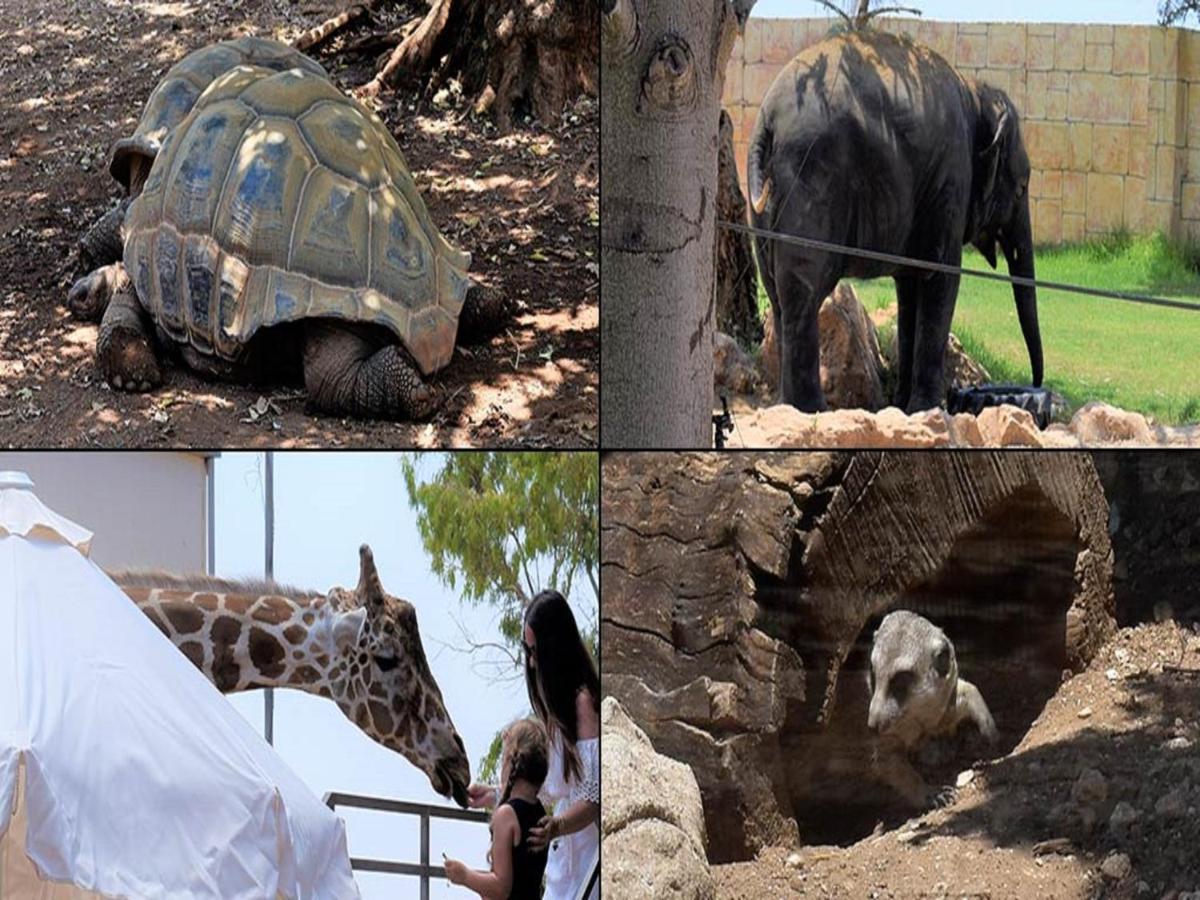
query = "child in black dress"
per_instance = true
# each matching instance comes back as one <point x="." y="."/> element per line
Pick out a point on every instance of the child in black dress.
<point x="516" y="872"/>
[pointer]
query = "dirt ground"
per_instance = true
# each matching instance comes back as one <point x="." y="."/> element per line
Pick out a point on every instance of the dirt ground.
<point x="74" y="75"/>
<point x="1099" y="800"/>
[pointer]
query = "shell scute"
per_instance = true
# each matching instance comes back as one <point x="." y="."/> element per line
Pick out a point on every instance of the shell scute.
<point x="294" y="215"/>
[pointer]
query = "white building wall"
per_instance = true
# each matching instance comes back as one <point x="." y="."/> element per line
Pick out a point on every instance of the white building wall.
<point x="147" y="510"/>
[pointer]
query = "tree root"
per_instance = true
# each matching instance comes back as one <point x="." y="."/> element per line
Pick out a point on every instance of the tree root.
<point x="506" y="53"/>
<point x="331" y="26"/>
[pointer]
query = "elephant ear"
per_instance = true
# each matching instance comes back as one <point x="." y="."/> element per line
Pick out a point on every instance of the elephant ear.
<point x="998" y="122"/>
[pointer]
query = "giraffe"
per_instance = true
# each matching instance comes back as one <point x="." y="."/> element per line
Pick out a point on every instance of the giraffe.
<point x="360" y="648"/>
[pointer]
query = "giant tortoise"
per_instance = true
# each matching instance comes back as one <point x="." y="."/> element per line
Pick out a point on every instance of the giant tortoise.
<point x="170" y="101"/>
<point x="279" y="229"/>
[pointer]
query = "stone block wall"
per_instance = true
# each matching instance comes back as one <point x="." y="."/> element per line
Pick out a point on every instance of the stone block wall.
<point x="1111" y="114"/>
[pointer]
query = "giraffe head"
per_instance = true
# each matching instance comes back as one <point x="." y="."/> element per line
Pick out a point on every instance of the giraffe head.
<point x="382" y="681"/>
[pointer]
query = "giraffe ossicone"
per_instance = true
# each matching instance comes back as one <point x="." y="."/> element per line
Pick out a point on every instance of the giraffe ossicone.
<point x="361" y="648"/>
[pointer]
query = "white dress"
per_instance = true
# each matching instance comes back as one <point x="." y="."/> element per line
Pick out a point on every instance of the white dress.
<point x="571" y="857"/>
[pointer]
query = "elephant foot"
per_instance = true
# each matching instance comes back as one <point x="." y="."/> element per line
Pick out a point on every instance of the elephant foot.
<point x="920" y="405"/>
<point x="809" y="404"/>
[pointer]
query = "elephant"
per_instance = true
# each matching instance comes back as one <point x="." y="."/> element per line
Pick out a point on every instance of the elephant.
<point x="868" y="140"/>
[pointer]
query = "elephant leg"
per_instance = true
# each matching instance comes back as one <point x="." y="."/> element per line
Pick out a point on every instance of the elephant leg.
<point x="908" y="296"/>
<point x="125" y="345"/>
<point x="347" y="373"/>
<point x="802" y="282"/>
<point x="934" y="314"/>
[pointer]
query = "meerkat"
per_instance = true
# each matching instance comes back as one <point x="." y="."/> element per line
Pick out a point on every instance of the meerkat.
<point x="916" y="694"/>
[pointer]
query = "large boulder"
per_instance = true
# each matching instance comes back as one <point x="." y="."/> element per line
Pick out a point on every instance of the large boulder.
<point x="733" y="370"/>
<point x="738" y="589"/>
<point x="652" y="822"/>
<point x="959" y="370"/>
<point x="850" y="359"/>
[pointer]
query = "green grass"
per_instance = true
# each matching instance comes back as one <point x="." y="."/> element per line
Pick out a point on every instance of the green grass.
<point x="1135" y="356"/>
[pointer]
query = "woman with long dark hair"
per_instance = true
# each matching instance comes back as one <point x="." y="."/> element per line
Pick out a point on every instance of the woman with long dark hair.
<point x="564" y="691"/>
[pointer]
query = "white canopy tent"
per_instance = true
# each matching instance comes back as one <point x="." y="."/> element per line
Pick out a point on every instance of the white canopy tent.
<point x="122" y="770"/>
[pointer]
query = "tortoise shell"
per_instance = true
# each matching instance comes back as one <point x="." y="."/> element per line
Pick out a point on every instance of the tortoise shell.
<point x="184" y="82"/>
<point x="279" y="198"/>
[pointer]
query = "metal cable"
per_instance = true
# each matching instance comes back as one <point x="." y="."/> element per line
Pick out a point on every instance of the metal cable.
<point x="814" y="244"/>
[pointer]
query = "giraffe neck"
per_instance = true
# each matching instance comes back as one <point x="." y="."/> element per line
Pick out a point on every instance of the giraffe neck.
<point x="243" y="640"/>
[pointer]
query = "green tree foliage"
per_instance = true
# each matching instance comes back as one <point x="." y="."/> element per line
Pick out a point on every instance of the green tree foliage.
<point x="499" y="527"/>
<point x="862" y="14"/>
<point x="1172" y="11"/>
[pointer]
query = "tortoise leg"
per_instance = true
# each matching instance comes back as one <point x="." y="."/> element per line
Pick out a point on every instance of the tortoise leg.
<point x="484" y="312"/>
<point x="346" y="373"/>
<point x="91" y="294"/>
<point x="102" y="243"/>
<point x="125" y="347"/>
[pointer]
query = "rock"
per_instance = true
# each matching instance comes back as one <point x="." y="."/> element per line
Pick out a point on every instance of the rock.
<point x="1116" y="866"/>
<point x="1123" y="815"/>
<point x="964" y="778"/>
<point x="1001" y="426"/>
<point x="732" y="367"/>
<point x="1091" y="788"/>
<point x="1085" y="713"/>
<point x="1099" y="423"/>
<point x="794" y="861"/>
<point x="1172" y="804"/>
<point x="1008" y="426"/>
<point x="652" y="821"/>
<point x="850" y="359"/>
<point x="699" y="658"/>
<point x="960" y="369"/>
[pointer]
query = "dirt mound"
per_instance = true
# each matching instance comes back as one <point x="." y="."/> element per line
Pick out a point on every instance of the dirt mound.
<point x="1099" y="799"/>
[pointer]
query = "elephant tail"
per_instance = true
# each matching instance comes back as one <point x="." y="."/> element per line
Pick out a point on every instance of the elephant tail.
<point x="760" y="152"/>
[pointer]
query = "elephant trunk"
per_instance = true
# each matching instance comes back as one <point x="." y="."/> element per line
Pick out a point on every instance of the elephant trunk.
<point x="1017" y="243"/>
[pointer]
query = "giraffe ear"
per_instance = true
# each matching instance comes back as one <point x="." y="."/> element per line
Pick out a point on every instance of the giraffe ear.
<point x="369" y="587"/>
<point x="347" y="626"/>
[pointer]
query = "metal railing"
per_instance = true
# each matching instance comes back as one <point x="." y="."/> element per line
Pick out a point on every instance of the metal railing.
<point x="425" y="812"/>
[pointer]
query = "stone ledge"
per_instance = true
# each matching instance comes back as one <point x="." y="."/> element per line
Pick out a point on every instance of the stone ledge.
<point x="1094" y="425"/>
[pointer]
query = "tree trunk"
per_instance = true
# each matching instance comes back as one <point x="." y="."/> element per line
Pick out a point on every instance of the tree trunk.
<point x="739" y="589"/>
<point x="664" y="72"/>
<point x="737" y="278"/>
<point x="510" y="55"/>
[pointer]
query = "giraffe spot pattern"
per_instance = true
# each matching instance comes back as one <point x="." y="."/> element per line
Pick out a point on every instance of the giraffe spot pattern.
<point x="273" y="611"/>
<point x="295" y="634"/>
<point x="224" y="635"/>
<point x="266" y="653"/>
<point x="210" y="602"/>
<point x="308" y="618"/>
<point x="306" y="675"/>
<point x="184" y="618"/>
<point x="156" y="617"/>
<point x="194" y="651"/>
<point x="297" y="655"/>
<point x="238" y="604"/>
<point x="383" y="719"/>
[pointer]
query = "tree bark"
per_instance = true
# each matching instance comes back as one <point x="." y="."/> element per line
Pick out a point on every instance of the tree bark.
<point x="506" y="53"/>
<point x="737" y="278"/>
<point x="664" y="72"/>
